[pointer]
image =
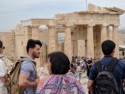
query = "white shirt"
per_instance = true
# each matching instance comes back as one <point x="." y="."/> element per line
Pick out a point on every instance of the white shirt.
<point x="78" y="68"/>
<point x="2" y="72"/>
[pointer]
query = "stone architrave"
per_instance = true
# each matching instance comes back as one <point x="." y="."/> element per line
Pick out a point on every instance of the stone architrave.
<point x="90" y="41"/>
<point x="52" y="39"/>
<point x="116" y="40"/>
<point x="68" y="43"/>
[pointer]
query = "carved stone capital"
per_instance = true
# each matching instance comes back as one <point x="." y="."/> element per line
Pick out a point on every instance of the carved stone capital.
<point x="116" y="25"/>
<point x="52" y="23"/>
<point x="28" y="26"/>
<point x="104" y="25"/>
<point x="90" y="25"/>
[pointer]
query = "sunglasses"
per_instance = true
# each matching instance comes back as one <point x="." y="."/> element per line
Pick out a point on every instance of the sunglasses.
<point x="3" y="47"/>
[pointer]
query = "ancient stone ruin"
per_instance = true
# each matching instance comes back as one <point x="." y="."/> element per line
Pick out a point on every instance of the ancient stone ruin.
<point x="77" y="34"/>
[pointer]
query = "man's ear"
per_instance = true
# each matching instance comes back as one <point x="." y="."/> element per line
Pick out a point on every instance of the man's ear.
<point x="0" y="50"/>
<point x="30" y="49"/>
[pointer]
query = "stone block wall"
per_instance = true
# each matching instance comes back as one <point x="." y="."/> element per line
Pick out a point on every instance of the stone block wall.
<point x="8" y="39"/>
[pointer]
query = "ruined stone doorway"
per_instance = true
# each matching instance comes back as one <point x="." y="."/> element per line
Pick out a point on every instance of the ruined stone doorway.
<point x="79" y="34"/>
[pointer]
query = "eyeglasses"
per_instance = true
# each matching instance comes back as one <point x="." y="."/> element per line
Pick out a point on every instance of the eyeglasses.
<point x="3" y="47"/>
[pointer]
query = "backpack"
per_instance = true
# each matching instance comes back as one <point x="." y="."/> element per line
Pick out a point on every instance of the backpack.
<point x="14" y="78"/>
<point x="105" y="82"/>
<point x="14" y="87"/>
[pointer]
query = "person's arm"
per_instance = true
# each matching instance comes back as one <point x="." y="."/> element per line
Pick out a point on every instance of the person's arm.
<point x="3" y="74"/>
<point x="90" y="85"/>
<point x="24" y="82"/>
<point x="2" y="69"/>
<point x="92" y="76"/>
<point x="5" y="79"/>
<point x="124" y="73"/>
<point x="72" y="70"/>
<point x="25" y="71"/>
<point x="124" y="82"/>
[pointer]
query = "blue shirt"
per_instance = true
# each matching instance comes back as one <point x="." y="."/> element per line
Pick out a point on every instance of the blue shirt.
<point x="28" y="68"/>
<point x="118" y="71"/>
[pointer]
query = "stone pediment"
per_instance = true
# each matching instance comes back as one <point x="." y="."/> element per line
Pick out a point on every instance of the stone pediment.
<point x="117" y="10"/>
<point x="113" y="10"/>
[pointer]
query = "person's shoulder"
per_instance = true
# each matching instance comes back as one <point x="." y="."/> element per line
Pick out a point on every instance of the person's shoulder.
<point x="44" y="79"/>
<point x="26" y="62"/>
<point x="93" y="66"/>
<point x="121" y="62"/>
<point x="27" y="65"/>
<point x="1" y="61"/>
<point x="71" y="77"/>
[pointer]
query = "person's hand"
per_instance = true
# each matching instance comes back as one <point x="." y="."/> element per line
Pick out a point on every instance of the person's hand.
<point x="37" y="81"/>
<point x="5" y="80"/>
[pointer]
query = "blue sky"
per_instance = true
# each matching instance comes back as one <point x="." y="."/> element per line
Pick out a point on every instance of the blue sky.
<point x="13" y="11"/>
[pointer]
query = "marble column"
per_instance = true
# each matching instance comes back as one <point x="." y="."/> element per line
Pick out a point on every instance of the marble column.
<point x="90" y="41"/>
<point x="110" y="33"/>
<point x="103" y="37"/>
<point x="52" y="39"/>
<point x="103" y="33"/>
<point x="116" y="40"/>
<point x="68" y="43"/>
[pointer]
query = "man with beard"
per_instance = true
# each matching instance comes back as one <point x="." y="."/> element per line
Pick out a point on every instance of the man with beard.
<point x="28" y="78"/>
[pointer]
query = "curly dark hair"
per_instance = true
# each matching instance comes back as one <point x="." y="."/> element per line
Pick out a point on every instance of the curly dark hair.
<point x="31" y="44"/>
